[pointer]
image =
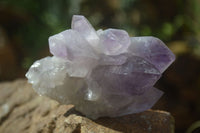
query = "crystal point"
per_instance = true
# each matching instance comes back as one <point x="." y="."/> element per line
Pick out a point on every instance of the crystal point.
<point x="153" y="50"/>
<point x="114" y="41"/>
<point x="104" y="72"/>
<point x="83" y="26"/>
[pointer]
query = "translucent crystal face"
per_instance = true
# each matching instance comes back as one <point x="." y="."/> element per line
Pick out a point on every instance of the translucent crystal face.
<point x="104" y="72"/>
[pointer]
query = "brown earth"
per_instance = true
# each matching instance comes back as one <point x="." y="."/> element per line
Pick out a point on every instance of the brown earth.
<point x="23" y="111"/>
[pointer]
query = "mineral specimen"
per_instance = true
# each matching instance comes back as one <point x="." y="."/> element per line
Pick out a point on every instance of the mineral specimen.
<point x="104" y="72"/>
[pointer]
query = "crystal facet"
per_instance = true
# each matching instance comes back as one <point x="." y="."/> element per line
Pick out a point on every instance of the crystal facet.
<point x="83" y="26"/>
<point x="104" y="72"/>
<point x="114" y="41"/>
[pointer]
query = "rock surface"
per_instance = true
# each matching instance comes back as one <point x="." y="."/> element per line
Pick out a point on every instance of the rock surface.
<point x="23" y="111"/>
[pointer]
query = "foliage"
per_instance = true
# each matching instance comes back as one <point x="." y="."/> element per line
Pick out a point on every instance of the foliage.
<point x="167" y="20"/>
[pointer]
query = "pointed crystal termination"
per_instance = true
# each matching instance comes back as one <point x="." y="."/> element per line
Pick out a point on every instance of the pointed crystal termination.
<point x="153" y="50"/>
<point x="83" y="26"/>
<point x="104" y="72"/>
<point x="114" y="41"/>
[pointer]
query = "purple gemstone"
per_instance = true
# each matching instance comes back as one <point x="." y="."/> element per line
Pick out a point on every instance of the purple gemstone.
<point x="131" y="78"/>
<point x="83" y="26"/>
<point x="104" y="72"/>
<point x="114" y="41"/>
<point x="71" y="45"/>
<point x="153" y="50"/>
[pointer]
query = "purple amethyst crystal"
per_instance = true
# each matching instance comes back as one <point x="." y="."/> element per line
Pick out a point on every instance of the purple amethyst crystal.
<point x="104" y="72"/>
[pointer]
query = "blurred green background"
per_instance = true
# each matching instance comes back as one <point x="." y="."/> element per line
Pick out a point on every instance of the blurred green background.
<point x="25" y="26"/>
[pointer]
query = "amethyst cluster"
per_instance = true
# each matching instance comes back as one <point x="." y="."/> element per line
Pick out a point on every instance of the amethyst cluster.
<point x="104" y="72"/>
